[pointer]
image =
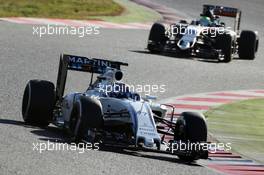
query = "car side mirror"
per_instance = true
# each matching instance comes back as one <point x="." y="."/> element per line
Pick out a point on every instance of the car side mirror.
<point x="150" y="97"/>
<point x="222" y="24"/>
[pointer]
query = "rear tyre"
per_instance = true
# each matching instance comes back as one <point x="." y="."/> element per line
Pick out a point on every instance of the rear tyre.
<point x="88" y="115"/>
<point x="38" y="102"/>
<point x="190" y="128"/>
<point x="247" y="45"/>
<point x="157" y="38"/>
<point x="224" y="42"/>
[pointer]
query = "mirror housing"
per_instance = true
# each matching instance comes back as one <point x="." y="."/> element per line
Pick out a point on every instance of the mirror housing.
<point x="150" y="97"/>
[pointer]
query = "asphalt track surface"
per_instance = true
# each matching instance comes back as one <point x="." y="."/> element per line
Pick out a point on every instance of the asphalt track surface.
<point x="24" y="56"/>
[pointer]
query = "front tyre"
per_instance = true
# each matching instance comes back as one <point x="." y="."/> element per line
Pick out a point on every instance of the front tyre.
<point x="248" y="45"/>
<point x="38" y="102"/>
<point x="190" y="128"/>
<point x="157" y="38"/>
<point x="88" y="114"/>
<point x="224" y="42"/>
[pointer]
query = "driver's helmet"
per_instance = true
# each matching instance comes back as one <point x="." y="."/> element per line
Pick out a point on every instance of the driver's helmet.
<point x="120" y="90"/>
<point x="205" y="21"/>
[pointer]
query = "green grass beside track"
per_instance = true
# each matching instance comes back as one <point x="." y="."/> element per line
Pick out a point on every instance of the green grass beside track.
<point x="120" y="11"/>
<point x="242" y="125"/>
<point x="132" y="13"/>
<point x="75" y="9"/>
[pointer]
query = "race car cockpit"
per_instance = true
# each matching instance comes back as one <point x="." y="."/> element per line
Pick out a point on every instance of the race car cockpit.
<point x="110" y="85"/>
<point x="209" y="19"/>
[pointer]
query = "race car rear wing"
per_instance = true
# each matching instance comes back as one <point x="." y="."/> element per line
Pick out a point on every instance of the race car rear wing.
<point x="83" y="64"/>
<point x="226" y="12"/>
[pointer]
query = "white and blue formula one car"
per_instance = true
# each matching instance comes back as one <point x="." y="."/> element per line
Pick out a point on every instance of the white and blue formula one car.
<point x="109" y="114"/>
<point x="207" y="38"/>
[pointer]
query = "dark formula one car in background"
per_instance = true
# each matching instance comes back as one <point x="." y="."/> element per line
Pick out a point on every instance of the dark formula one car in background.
<point x="207" y="38"/>
<point x="109" y="115"/>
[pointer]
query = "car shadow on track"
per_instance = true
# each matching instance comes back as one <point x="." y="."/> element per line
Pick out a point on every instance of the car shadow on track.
<point x="49" y="133"/>
<point x="56" y="135"/>
<point x="181" y="56"/>
<point x="142" y="153"/>
<point x="17" y="123"/>
<point x="12" y="122"/>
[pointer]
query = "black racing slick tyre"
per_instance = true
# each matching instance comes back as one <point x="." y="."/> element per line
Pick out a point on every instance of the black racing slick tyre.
<point x="247" y="45"/>
<point x="157" y="38"/>
<point x="88" y="114"/>
<point x="190" y="128"/>
<point x="224" y="42"/>
<point x="38" y="102"/>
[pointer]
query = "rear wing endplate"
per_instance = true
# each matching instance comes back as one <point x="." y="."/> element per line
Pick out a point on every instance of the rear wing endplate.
<point x="222" y="11"/>
<point x="226" y="12"/>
